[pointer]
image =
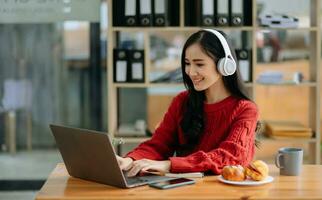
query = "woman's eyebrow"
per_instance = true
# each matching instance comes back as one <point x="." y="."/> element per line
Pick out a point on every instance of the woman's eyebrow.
<point x="194" y="60"/>
<point x="198" y="59"/>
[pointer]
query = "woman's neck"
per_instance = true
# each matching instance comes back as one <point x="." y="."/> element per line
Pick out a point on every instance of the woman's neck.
<point x="216" y="92"/>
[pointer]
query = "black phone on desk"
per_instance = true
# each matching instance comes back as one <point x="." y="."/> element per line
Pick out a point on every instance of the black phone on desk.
<point x="172" y="183"/>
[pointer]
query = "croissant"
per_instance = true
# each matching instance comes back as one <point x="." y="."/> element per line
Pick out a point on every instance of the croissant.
<point x="257" y="170"/>
<point x="234" y="173"/>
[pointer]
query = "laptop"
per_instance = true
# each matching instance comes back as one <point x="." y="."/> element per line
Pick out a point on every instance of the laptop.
<point x="90" y="155"/>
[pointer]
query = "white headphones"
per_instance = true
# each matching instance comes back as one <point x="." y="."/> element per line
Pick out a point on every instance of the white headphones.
<point x="227" y="65"/>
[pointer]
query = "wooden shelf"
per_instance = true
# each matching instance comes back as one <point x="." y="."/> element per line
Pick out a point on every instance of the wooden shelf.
<point x="261" y="139"/>
<point x="166" y="85"/>
<point x="304" y="84"/>
<point x="249" y="85"/>
<point x="196" y="28"/>
<point x="178" y="29"/>
<point x="146" y="85"/>
<point x="235" y="28"/>
<point x="288" y="139"/>
<point x="311" y="70"/>
<point x="130" y="85"/>
<point x="312" y="29"/>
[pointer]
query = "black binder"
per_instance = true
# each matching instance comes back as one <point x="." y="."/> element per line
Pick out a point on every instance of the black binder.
<point x="136" y="70"/>
<point x="130" y="13"/>
<point x="120" y="65"/>
<point x="173" y="12"/>
<point x="208" y="12"/>
<point x="192" y="13"/>
<point x="160" y="16"/>
<point x="118" y="13"/>
<point x="236" y="11"/>
<point x="244" y="64"/>
<point x="145" y="12"/>
<point x="247" y="12"/>
<point x="222" y="15"/>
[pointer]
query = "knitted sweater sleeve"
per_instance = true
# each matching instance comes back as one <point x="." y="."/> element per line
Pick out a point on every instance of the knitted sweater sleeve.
<point x="162" y="144"/>
<point x="237" y="148"/>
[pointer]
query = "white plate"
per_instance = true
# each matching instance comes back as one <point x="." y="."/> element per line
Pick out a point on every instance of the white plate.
<point x="247" y="182"/>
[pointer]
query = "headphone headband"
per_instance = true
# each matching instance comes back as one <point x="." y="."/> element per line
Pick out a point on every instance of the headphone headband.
<point x="223" y="42"/>
<point x="226" y="66"/>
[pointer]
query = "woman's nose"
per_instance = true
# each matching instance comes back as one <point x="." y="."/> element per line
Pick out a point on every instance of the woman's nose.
<point x="192" y="71"/>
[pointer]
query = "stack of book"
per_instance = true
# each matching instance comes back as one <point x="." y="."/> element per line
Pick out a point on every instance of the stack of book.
<point x="270" y="77"/>
<point x="286" y="129"/>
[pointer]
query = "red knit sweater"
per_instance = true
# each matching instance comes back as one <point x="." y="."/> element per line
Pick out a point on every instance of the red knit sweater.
<point x="228" y="137"/>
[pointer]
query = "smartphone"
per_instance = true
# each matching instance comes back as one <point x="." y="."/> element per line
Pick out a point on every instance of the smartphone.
<point x="172" y="183"/>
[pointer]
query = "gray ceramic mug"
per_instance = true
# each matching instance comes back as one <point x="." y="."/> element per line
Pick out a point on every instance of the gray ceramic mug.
<point x="289" y="160"/>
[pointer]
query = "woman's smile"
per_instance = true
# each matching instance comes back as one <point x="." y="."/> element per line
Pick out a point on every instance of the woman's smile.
<point x="196" y="81"/>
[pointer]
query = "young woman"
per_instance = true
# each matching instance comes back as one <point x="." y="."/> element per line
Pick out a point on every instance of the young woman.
<point x="210" y="125"/>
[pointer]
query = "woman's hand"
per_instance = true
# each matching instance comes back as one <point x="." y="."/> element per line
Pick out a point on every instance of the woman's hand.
<point x="124" y="163"/>
<point x="146" y="165"/>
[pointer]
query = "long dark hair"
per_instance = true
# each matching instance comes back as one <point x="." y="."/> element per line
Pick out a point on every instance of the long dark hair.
<point x="192" y="122"/>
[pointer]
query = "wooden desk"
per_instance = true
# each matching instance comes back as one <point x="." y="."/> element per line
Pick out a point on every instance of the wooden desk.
<point x="306" y="186"/>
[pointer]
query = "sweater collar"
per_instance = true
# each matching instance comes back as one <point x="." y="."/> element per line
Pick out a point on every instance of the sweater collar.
<point x="219" y="105"/>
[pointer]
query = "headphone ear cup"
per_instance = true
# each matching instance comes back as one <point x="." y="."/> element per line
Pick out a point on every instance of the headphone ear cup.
<point x="220" y="66"/>
<point x="226" y="69"/>
<point x="230" y="67"/>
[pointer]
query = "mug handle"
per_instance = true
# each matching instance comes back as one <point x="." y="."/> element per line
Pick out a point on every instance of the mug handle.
<point x="277" y="160"/>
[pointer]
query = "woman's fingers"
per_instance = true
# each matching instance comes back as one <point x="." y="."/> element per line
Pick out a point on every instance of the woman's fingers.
<point x="145" y="165"/>
<point x="134" y="171"/>
<point x="136" y="167"/>
<point x="119" y="159"/>
<point x="124" y="163"/>
<point x="151" y="170"/>
<point x="121" y="162"/>
<point x="127" y="167"/>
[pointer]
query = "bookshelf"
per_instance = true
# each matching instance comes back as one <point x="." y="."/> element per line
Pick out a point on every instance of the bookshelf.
<point x="313" y="83"/>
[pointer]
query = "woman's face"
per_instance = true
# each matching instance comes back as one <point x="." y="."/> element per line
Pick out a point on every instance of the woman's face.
<point x="201" y="68"/>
